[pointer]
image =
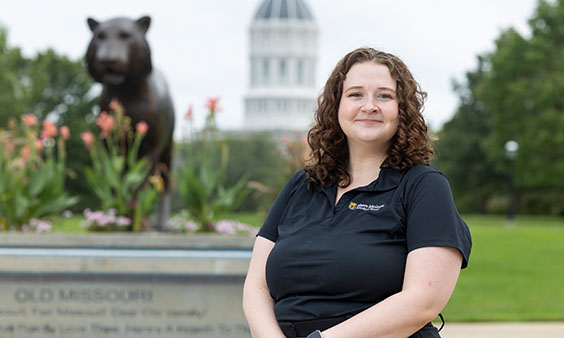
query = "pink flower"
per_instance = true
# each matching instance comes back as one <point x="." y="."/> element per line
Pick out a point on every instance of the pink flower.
<point x="189" y="114"/>
<point x="65" y="132"/>
<point x="26" y="152"/>
<point x="88" y="139"/>
<point x="49" y="130"/>
<point x="9" y="144"/>
<point x="106" y="123"/>
<point x="114" y="104"/>
<point x="142" y="127"/>
<point x="212" y="105"/>
<point x="123" y="221"/>
<point x="39" y="144"/>
<point x="29" y="120"/>
<point x="191" y="226"/>
<point x="225" y="227"/>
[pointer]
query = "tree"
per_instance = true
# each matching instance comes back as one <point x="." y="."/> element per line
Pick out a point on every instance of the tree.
<point x="461" y="154"/>
<point x="516" y="94"/>
<point x="12" y="64"/>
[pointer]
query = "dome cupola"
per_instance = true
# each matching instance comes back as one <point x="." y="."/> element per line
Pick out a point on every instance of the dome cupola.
<point x="283" y="10"/>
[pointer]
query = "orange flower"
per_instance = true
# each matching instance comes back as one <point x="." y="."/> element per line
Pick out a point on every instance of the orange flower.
<point x="142" y="127"/>
<point x="88" y="139"/>
<point x="8" y="143"/>
<point x="29" y="120"/>
<point x="212" y="105"/>
<point x="49" y="130"/>
<point x="65" y="132"/>
<point x="106" y="123"/>
<point x="26" y="152"/>
<point x="189" y="114"/>
<point x="114" y="104"/>
<point x="39" y="144"/>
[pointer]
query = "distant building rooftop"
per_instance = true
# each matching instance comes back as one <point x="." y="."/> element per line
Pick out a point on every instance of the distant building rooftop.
<point x="283" y="10"/>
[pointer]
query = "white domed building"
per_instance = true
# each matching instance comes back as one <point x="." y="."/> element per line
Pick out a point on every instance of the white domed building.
<point x="283" y="56"/>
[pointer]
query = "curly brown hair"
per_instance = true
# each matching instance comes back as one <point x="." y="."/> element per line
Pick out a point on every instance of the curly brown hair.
<point x="329" y="150"/>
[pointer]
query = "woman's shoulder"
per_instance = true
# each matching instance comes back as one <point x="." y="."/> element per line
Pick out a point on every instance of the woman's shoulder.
<point x="296" y="181"/>
<point x="298" y="177"/>
<point x="421" y="172"/>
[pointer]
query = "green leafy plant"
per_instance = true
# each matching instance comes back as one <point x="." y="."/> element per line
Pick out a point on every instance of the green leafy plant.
<point x="32" y="173"/>
<point x="202" y="177"/>
<point x="117" y="176"/>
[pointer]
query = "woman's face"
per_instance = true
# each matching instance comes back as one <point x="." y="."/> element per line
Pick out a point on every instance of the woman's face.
<point x="368" y="110"/>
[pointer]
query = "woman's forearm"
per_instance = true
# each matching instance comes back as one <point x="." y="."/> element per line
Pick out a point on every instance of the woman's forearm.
<point x="398" y="316"/>
<point x="430" y="276"/>
<point x="259" y="310"/>
<point x="258" y="306"/>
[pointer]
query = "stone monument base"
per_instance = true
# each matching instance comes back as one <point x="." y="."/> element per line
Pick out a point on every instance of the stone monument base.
<point x="123" y="290"/>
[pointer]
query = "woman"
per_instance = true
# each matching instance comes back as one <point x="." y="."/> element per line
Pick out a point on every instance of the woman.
<point x="366" y="241"/>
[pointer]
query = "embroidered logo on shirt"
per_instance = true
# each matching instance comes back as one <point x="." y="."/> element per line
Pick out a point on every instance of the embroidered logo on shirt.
<point x="365" y="207"/>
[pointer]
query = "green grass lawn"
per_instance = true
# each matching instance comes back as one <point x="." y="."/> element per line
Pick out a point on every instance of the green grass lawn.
<point x="514" y="274"/>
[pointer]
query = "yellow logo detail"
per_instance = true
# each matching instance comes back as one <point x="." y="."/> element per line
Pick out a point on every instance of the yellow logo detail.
<point x="352" y="206"/>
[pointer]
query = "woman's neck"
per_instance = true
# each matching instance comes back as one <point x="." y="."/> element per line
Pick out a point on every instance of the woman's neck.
<point x="364" y="168"/>
<point x="365" y="161"/>
<point x="364" y="165"/>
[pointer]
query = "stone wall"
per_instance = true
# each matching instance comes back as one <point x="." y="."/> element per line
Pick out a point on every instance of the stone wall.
<point x="122" y="285"/>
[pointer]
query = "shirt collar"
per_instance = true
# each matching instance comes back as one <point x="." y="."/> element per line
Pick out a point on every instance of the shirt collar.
<point x="388" y="179"/>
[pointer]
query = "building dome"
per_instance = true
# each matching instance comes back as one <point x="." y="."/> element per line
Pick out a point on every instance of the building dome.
<point x="283" y="55"/>
<point x="283" y="10"/>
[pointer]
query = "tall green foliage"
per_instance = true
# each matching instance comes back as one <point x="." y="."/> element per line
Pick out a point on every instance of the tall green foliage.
<point x="54" y="86"/>
<point x="260" y="158"/>
<point x="515" y="94"/>
<point x="202" y="177"/>
<point x="32" y="173"/>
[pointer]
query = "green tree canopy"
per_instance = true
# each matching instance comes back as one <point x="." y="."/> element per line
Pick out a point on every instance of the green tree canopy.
<point x="517" y="93"/>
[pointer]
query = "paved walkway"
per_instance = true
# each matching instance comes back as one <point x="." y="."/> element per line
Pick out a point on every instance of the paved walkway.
<point x="503" y="330"/>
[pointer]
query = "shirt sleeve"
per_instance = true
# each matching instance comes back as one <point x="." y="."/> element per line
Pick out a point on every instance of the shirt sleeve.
<point x="269" y="229"/>
<point x="432" y="217"/>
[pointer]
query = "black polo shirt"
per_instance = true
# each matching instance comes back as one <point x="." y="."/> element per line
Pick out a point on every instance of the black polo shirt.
<point x="337" y="260"/>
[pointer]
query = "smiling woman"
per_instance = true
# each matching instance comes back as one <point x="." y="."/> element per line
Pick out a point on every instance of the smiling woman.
<point x="366" y="241"/>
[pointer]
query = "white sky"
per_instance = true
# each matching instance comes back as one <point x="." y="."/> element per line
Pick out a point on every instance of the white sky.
<point x="202" y="45"/>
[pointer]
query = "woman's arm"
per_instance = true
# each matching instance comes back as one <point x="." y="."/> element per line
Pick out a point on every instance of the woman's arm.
<point x="257" y="303"/>
<point x="430" y="277"/>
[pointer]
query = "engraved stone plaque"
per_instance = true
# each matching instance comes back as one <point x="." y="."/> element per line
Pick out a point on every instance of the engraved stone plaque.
<point x="121" y="306"/>
<point x="140" y="286"/>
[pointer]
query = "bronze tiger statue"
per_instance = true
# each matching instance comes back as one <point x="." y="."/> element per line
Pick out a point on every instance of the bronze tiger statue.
<point x="119" y="58"/>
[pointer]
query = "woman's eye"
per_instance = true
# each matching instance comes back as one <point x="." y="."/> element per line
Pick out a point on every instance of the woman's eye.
<point x="355" y="95"/>
<point x="385" y="97"/>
